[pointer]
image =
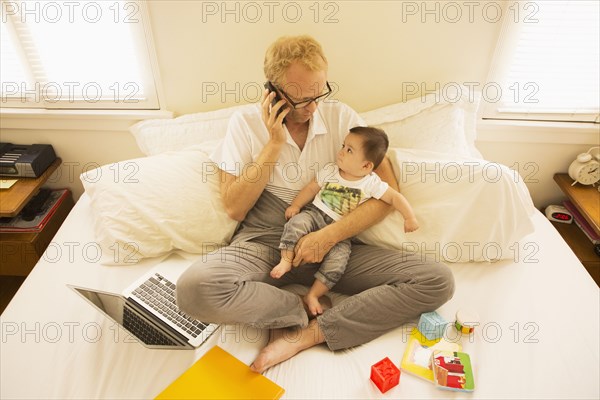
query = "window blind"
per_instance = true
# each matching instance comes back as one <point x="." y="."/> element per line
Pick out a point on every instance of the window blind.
<point x="76" y="55"/>
<point x="548" y="62"/>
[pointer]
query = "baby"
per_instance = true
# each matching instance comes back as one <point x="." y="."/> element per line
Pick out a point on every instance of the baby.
<point x="337" y="190"/>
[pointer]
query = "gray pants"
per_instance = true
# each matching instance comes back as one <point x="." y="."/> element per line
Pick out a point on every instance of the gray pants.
<point x="386" y="287"/>
<point x="311" y="219"/>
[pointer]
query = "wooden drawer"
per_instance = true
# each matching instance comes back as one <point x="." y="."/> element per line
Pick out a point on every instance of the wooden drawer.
<point x="21" y="251"/>
<point x="582" y="247"/>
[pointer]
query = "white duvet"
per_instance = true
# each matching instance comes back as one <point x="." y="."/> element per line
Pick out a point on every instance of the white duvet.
<point x="537" y="338"/>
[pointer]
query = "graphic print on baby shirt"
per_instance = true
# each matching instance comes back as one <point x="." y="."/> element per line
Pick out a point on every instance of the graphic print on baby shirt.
<point x="340" y="199"/>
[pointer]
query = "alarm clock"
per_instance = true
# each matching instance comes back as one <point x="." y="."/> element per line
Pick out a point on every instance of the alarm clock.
<point x="586" y="168"/>
<point x="558" y="214"/>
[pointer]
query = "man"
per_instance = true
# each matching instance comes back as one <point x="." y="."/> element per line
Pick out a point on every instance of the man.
<point x="265" y="159"/>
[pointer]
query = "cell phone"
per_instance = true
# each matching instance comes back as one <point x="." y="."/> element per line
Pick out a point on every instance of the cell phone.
<point x="269" y="85"/>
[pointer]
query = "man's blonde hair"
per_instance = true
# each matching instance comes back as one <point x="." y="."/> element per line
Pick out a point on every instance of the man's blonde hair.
<point x="288" y="49"/>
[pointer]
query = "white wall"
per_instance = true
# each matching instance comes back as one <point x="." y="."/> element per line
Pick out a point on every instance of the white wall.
<point x="210" y="56"/>
<point x="371" y="51"/>
<point x="536" y="163"/>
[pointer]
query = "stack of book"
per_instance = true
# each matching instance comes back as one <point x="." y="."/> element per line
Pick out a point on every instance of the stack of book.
<point x="34" y="220"/>
<point x="581" y="222"/>
<point x="438" y="361"/>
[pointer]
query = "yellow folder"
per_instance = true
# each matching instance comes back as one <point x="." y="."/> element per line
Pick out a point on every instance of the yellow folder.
<point x="219" y="375"/>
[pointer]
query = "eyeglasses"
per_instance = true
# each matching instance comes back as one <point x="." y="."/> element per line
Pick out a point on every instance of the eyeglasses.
<point x="304" y="103"/>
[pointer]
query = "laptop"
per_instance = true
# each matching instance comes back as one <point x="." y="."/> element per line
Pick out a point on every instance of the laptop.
<point x="148" y="311"/>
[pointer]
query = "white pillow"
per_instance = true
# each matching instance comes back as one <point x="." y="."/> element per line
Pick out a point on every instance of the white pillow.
<point x="148" y="206"/>
<point x="442" y="122"/>
<point x="155" y="136"/>
<point x="468" y="209"/>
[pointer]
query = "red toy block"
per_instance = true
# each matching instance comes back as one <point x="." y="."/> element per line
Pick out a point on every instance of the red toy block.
<point x="385" y="375"/>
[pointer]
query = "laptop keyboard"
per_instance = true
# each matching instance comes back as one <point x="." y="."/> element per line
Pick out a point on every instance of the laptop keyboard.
<point x="159" y="293"/>
<point x="143" y="330"/>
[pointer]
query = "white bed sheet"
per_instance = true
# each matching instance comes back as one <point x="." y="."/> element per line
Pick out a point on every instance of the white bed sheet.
<point x="539" y="333"/>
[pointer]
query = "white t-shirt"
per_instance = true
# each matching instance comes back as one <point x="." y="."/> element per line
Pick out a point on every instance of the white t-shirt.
<point x="247" y="135"/>
<point x="339" y="196"/>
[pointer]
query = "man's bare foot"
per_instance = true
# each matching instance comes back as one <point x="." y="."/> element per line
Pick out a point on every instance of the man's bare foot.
<point x="314" y="307"/>
<point x="285" y="343"/>
<point x="280" y="269"/>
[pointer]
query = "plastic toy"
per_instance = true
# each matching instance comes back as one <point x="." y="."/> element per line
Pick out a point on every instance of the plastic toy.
<point x="466" y="321"/>
<point x="432" y="325"/>
<point x="385" y="375"/>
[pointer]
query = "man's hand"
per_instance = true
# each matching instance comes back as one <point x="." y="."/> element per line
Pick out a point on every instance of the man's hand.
<point x="312" y="248"/>
<point x="274" y="122"/>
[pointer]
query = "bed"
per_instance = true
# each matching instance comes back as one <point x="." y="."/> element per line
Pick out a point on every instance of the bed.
<point x="538" y="333"/>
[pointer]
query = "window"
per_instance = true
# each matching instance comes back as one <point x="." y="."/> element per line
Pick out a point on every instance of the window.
<point x="546" y="65"/>
<point x="77" y="55"/>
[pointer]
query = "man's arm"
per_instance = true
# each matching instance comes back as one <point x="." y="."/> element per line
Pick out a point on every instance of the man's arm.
<point x="239" y="194"/>
<point x="312" y="248"/>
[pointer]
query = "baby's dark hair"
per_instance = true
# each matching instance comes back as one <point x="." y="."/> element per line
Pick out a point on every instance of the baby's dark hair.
<point x="375" y="143"/>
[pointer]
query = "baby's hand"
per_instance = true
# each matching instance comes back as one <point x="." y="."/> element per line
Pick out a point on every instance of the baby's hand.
<point x="411" y="225"/>
<point x="291" y="211"/>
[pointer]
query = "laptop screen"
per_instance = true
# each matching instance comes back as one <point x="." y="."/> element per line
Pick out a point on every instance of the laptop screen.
<point x="121" y="312"/>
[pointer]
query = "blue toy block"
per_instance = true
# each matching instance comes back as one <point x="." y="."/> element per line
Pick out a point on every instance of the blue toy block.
<point x="432" y="325"/>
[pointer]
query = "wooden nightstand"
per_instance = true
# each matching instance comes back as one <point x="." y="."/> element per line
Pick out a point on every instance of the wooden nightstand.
<point x="587" y="201"/>
<point x="20" y="251"/>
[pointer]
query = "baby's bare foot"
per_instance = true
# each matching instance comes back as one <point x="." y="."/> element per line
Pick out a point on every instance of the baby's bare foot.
<point x="314" y="307"/>
<point x="280" y="269"/>
<point x="324" y="301"/>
